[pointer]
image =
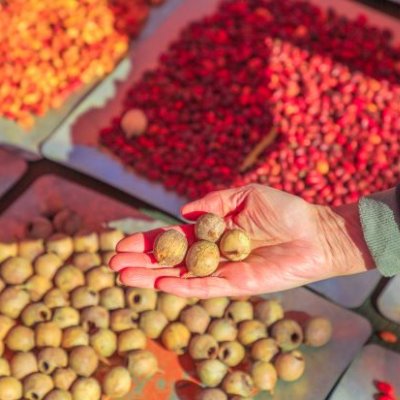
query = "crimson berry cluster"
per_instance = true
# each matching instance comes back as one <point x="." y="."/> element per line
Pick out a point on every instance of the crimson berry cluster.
<point x="329" y="85"/>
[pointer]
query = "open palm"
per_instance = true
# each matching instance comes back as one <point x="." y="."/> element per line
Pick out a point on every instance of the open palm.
<point x="294" y="243"/>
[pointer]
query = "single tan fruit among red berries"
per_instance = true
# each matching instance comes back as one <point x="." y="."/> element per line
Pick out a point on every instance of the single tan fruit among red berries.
<point x="134" y="123"/>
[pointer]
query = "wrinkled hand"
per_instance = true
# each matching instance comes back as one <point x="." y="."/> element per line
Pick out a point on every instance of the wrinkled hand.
<point x="294" y="243"/>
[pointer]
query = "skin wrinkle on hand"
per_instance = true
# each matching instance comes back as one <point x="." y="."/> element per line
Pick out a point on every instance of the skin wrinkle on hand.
<point x="294" y="243"/>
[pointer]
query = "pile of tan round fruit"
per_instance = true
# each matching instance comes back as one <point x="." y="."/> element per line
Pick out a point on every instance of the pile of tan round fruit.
<point x="68" y="331"/>
<point x="203" y="256"/>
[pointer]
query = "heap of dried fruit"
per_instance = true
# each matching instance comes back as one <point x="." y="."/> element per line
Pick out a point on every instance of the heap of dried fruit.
<point x="76" y="42"/>
<point x="203" y="256"/>
<point x="332" y="97"/>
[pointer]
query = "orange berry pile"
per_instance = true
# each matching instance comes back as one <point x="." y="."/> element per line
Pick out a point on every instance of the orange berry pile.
<point x="50" y="48"/>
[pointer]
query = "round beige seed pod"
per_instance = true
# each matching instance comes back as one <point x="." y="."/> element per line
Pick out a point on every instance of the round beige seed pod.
<point x="37" y="286"/>
<point x="60" y="244"/>
<point x="51" y="358"/>
<point x="56" y="298"/>
<point x="215" y="307"/>
<point x="202" y="258"/>
<point x="63" y="378"/>
<point x="109" y="239"/>
<point x="176" y="337"/>
<point x="83" y="360"/>
<point x="34" y="313"/>
<point x="86" y="242"/>
<point x="209" y="227"/>
<point x="170" y="248"/>
<point x="65" y="317"/>
<point x="134" y="123"/>
<point x="269" y="311"/>
<point x="58" y="394"/>
<point x="40" y="228"/>
<point x="235" y="245"/>
<point x="86" y="261"/>
<point x="195" y="318"/>
<point x="112" y="298"/>
<point x="104" y="342"/>
<point x="8" y="249"/>
<point x="152" y="323"/>
<point x="4" y="367"/>
<point x="67" y="221"/>
<point x="30" y="249"/>
<point x="74" y="336"/>
<point x="10" y="388"/>
<point x="142" y="364"/>
<point x="86" y="388"/>
<point x="37" y="385"/>
<point x="250" y="331"/>
<point x="68" y="278"/>
<point x="132" y="339"/>
<point x="117" y="382"/>
<point x="48" y="334"/>
<point x="239" y="310"/>
<point x="13" y="300"/>
<point x="139" y="299"/>
<point x="47" y="265"/>
<point x="16" y="270"/>
<point x="84" y="296"/>
<point x="264" y="376"/>
<point x="171" y="305"/>
<point x="6" y="323"/>
<point x="23" y="364"/>
<point x="121" y="320"/>
<point x="100" y="278"/>
<point x="95" y="317"/>
<point x="20" y="338"/>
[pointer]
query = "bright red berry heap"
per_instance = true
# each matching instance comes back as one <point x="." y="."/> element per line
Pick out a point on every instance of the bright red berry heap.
<point x="329" y="85"/>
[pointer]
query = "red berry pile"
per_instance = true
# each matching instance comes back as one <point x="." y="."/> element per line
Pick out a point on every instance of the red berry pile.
<point x="327" y="84"/>
<point x="50" y="48"/>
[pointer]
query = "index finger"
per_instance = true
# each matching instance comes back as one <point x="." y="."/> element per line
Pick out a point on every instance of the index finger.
<point x="144" y="241"/>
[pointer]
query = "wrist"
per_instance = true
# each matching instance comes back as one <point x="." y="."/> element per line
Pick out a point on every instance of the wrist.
<point x="343" y="238"/>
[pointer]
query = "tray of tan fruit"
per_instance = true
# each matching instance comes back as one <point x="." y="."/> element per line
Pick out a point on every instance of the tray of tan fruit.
<point x="70" y="330"/>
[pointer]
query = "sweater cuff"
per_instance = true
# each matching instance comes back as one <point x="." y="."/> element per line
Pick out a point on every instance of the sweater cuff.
<point x="380" y="220"/>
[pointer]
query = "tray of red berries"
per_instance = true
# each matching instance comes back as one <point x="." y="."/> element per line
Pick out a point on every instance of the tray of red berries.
<point x="374" y="374"/>
<point x="217" y="78"/>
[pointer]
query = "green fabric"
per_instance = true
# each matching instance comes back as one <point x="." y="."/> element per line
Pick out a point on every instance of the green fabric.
<point x="380" y="220"/>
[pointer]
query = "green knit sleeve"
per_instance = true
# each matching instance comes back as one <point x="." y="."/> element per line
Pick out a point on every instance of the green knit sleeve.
<point x="380" y="219"/>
